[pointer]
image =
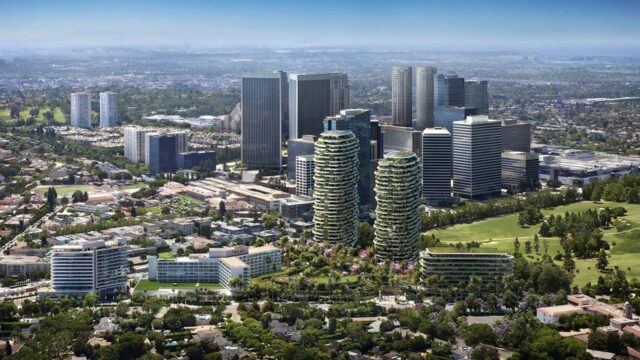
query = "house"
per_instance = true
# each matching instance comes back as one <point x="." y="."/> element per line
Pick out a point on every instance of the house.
<point x="285" y="331"/>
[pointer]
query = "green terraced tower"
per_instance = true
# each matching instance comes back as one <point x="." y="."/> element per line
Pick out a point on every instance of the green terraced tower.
<point x="336" y="188"/>
<point x="398" y="182"/>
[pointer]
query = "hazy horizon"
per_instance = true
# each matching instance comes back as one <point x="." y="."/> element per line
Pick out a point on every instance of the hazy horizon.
<point x="588" y="27"/>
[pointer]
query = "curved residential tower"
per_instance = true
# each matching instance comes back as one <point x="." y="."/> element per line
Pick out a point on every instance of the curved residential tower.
<point x="336" y="187"/>
<point x="398" y="181"/>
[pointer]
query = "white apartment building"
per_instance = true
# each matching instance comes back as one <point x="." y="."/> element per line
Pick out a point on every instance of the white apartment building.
<point x="305" y="165"/>
<point x="81" y="109"/>
<point x="135" y="143"/>
<point x="108" y="109"/>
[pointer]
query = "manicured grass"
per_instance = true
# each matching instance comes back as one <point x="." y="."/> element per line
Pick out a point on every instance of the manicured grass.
<point x="166" y="255"/>
<point x="135" y="186"/>
<point x="349" y="279"/>
<point x="148" y="285"/>
<point x="500" y="232"/>
<point x="58" y="115"/>
<point x="66" y="190"/>
<point x="149" y="210"/>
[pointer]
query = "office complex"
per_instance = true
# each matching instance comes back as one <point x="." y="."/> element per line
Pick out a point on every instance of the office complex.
<point x="336" y="188"/>
<point x="446" y="115"/>
<point x="219" y="265"/>
<point x="401" y="96"/>
<point x="305" y="166"/>
<point x="477" y="157"/>
<point x="516" y="136"/>
<point x="357" y="121"/>
<point x="377" y="143"/>
<point x="399" y="138"/>
<point x="161" y="154"/>
<point x="81" y="109"/>
<point x="437" y="162"/>
<point x="449" y="89"/>
<point x="135" y="143"/>
<point x="425" y="97"/>
<point x="476" y="96"/>
<point x="520" y="170"/>
<point x="397" y="225"/>
<point x="108" y="109"/>
<point x="284" y="103"/>
<point x="446" y="268"/>
<point x="298" y="147"/>
<point x="261" y="129"/>
<point x="313" y="97"/>
<point x="81" y="267"/>
<point x="205" y="160"/>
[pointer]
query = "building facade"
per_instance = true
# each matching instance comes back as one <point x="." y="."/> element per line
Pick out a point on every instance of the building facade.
<point x="401" y="96"/>
<point x="81" y="109"/>
<point x="82" y="267"/>
<point x="357" y="121"/>
<point x="397" y="225"/>
<point x="108" y="109"/>
<point x="219" y="265"/>
<point x="336" y="188"/>
<point x="313" y="97"/>
<point x="262" y="119"/>
<point x="520" y="171"/>
<point x="445" y="269"/>
<point x="135" y="143"/>
<point x="476" y="96"/>
<point x="477" y="157"/>
<point x="298" y="147"/>
<point x="449" y="89"/>
<point x="14" y="265"/>
<point x="161" y="153"/>
<point x="206" y="160"/>
<point x="399" y="138"/>
<point x="516" y="136"/>
<point x="437" y="165"/>
<point x="305" y="169"/>
<point x="425" y="96"/>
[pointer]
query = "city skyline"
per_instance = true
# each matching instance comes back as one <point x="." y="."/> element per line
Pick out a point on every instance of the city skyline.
<point x="589" y="27"/>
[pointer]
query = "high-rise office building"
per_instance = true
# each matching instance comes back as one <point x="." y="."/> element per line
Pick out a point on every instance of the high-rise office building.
<point x="425" y="96"/>
<point x="516" y="136"/>
<point x="182" y="141"/>
<point x="336" y="188"/>
<point x="520" y="170"/>
<point x="477" y="157"/>
<point x="312" y="97"/>
<point x="305" y="166"/>
<point x="401" y="96"/>
<point x="81" y="109"/>
<point x="81" y="267"/>
<point x="437" y="163"/>
<point x="399" y="138"/>
<point x="161" y="154"/>
<point x="376" y="137"/>
<point x="298" y="147"/>
<point x="397" y="225"/>
<point x="357" y="121"/>
<point x="476" y="96"/>
<point x="284" y="103"/>
<point x="446" y="115"/>
<point x="135" y="143"/>
<point x="261" y="133"/>
<point x="204" y="159"/>
<point x="108" y="109"/>
<point x="449" y="89"/>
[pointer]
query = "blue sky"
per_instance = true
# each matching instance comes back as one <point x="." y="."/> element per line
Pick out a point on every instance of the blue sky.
<point x="588" y="26"/>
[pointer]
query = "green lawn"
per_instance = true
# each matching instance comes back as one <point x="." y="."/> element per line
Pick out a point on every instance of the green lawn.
<point x="148" y="285"/>
<point x="166" y="255"/>
<point x="149" y="210"/>
<point x="500" y="232"/>
<point x="135" y="186"/>
<point x="349" y="279"/>
<point x="58" y="115"/>
<point x="66" y="190"/>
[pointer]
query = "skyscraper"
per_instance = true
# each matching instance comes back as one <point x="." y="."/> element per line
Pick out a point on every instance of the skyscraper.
<point x="401" y="96"/>
<point x="81" y="109"/>
<point x="425" y="96"/>
<point x="520" y="171"/>
<point x="284" y="103"/>
<point x="397" y="232"/>
<point x="336" y="188"/>
<point x="357" y="121"/>
<point x="477" y="157"/>
<point x="161" y="153"/>
<point x="476" y="96"/>
<point x="262" y="119"/>
<point x="108" y="109"/>
<point x="298" y="147"/>
<point x="305" y="168"/>
<point x="312" y="97"/>
<point x="81" y="267"/>
<point x="516" y="136"/>
<point x="135" y="143"/>
<point x="449" y="89"/>
<point x="376" y="136"/>
<point x="437" y="165"/>
<point x="399" y="138"/>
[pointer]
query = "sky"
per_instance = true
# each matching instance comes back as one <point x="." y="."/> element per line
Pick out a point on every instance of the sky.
<point x="587" y="26"/>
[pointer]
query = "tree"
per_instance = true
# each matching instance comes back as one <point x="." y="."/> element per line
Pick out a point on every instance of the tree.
<point x="236" y="282"/>
<point x="545" y="246"/>
<point x="569" y="264"/>
<point x="51" y="197"/>
<point x="90" y="300"/>
<point x="7" y="347"/>
<point x="134" y="212"/>
<point x="527" y="247"/>
<point x="633" y="197"/>
<point x="166" y="210"/>
<point x="476" y="334"/>
<point x="130" y="346"/>
<point x="77" y="196"/>
<point x="545" y="229"/>
<point x="516" y="246"/>
<point x="602" y="262"/>
<point x="484" y="352"/>
<point x="536" y="243"/>
<point x="365" y="235"/>
<point x="222" y="208"/>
